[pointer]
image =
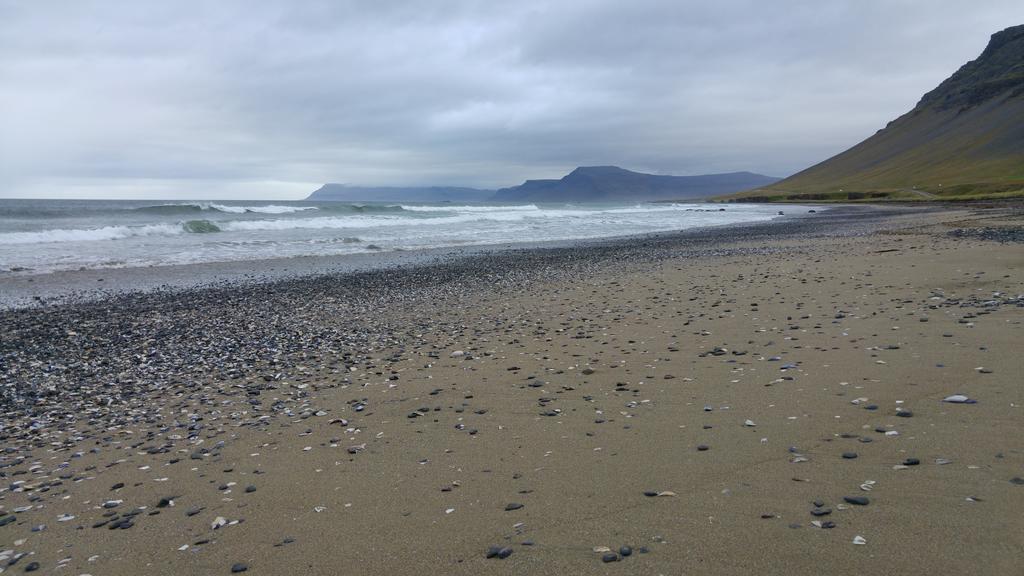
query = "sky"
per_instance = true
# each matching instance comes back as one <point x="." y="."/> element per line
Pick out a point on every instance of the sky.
<point x="270" y="99"/>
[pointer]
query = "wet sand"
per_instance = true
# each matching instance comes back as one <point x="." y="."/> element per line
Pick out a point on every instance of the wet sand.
<point x="756" y="399"/>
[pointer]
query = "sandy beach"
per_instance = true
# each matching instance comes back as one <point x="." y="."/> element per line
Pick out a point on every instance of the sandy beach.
<point x="836" y="393"/>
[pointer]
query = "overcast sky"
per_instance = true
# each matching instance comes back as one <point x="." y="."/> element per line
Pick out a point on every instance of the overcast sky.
<point x="268" y="99"/>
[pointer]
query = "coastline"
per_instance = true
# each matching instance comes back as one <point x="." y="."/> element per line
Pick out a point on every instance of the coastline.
<point x="80" y="286"/>
<point x="589" y="375"/>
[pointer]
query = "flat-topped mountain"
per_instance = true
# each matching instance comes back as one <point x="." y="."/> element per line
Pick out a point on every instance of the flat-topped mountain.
<point x="611" y="183"/>
<point x="964" y="139"/>
<point x="584" y="184"/>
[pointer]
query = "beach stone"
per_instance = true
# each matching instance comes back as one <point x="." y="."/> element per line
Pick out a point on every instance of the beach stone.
<point x="821" y="512"/>
<point x="499" y="552"/>
<point x="958" y="399"/>
<point x="1015" y="480"/>
<point x="32" y="567"/>
<point x="849" y="455"/>
<point x="856" y="500"/>
<point x="911" y="462"/>
<point x="903" y="413"/>
<point x="239" y="567"/>
<point x="513" y="506"/>
<point x="610" y="557"/>
<point x="625" y="551"/>
<point x="703" y="447"/>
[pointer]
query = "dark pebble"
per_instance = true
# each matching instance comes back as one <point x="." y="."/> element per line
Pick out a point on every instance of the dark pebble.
<point x="499" y="552"/>
<point x="610" y="557"/>
<point x="911" y="462"/>
<point x="513" y="506"/>
<point x="849" y="455"/>
<point x="625" y="551"/>
<point x="239" y="567"/>
<point x="856" y="500"/>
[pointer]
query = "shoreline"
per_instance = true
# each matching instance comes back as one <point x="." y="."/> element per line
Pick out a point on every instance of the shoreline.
<point x="539" y="401"/>
<point x="80" y="286"/>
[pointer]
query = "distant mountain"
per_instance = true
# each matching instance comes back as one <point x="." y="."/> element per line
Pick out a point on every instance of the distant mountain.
<point x="344" y="193"/>
<point x="611" y="183"/>
<point x="584" y="184"/>
<point x="964" y="139"/>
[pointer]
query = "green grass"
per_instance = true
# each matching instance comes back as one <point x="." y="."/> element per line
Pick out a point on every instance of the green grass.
<point x="957" y="193"/>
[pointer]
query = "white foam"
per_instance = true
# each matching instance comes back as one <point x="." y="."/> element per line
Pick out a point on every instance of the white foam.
<point x="268" y="209"/>
<point x="472" y="209"/>
<point x="90" y="234"/>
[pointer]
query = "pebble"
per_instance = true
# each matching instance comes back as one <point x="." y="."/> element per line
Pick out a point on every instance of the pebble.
<point x="856" y="500"/>
<point x="959" y="399"/>
<point x="239" y="567"/>
<point x="499" y="552"/>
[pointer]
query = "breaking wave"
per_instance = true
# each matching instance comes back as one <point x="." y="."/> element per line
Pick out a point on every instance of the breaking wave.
<point x="210" y="206"/>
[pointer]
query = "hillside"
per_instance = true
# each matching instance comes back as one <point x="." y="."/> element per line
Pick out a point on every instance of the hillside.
<point x="964" y="139"/>
<point x="611" y="183"/>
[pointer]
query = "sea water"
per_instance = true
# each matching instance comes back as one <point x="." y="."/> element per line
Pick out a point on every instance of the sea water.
<point x="41" y="236"/>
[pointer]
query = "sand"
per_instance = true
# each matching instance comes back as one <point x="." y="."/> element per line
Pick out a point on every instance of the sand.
<point x="576" y="386"/>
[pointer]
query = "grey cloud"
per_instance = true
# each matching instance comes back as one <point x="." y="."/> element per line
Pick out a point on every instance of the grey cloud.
<point x="212" y="98"/>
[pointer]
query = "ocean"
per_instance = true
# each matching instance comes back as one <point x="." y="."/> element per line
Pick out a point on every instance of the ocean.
<point x="43" y="236"/>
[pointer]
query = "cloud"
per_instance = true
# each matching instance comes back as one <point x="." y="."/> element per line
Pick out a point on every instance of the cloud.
<point x="265" y="99"/>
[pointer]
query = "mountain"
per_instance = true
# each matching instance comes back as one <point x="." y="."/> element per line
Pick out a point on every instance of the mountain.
<point x="611" y="183"/>
<point x="964" y="139"/>
<point x="344" y="193"/>
<point x="584" y="184"/>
